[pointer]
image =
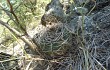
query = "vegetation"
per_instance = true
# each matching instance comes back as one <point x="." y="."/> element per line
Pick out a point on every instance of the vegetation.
<point x="17" y="18"/>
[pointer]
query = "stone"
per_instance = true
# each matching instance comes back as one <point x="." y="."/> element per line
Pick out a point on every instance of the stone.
<point x="99" y="4"/>
<point x="102" y="18"/>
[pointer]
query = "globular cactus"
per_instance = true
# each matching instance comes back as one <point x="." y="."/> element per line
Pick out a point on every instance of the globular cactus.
<point x="53" y="13"/>
<point x="53" y="41"/>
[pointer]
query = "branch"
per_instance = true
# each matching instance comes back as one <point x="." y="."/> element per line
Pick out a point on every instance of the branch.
<point x="17" y="21"/>
<point x="26" y="39"/>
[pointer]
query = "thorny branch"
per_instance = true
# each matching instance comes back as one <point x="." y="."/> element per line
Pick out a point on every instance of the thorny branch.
<point x="17" y="21"/>
<point x="26" y="39"/>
